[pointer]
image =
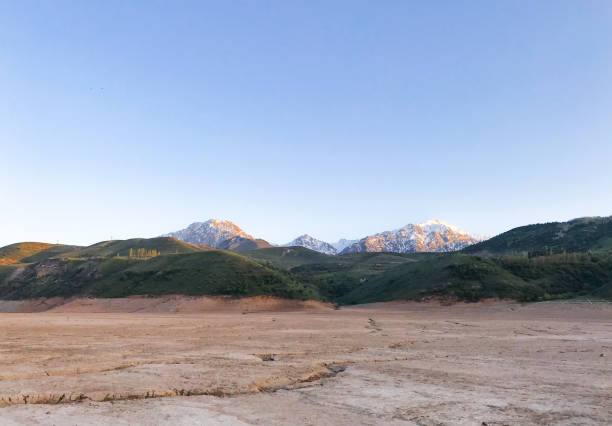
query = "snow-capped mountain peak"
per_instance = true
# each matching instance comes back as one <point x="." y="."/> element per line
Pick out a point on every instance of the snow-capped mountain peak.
<point x="438" y="225"/>
<point x="312" y="244"/>
<point x="210" y="233"/>
<point x="342" y="243"/>
<point x="431" y="236"/>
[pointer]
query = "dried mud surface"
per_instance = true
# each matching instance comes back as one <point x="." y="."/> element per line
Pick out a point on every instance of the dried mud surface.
<point x="390" y="363"/>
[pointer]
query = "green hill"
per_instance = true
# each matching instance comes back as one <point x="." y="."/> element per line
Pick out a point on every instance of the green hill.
<point x="579" y="235"/>
<point x="51" y="252"/>
<point x="151" y="266"/>
<point x="212" y="272"/>
<point x="334" y="276"/>
<point x="463" y="277"/>
<point x="374" y="277"/>
<point x="288" y="257"/>
<point x="163" y="245"/>
<point x="243" y="244"/>
<point x="443" y="275"/>
<point x="15" y="253"/>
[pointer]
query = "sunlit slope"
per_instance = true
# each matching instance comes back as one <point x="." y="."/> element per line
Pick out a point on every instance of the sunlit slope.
<point x="15" y="253"/>
<point x="241" y="244"/>
<point x="51" y="252"/>
<point x="162" y="246"/>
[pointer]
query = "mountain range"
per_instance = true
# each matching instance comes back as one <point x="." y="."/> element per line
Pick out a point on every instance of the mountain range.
<point x="431" y="236"/>
<point x="534" y="262"/>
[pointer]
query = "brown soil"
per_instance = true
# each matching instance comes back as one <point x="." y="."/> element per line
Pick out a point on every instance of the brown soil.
<point x="161" y="304"/>
<point x="203" y="361"/>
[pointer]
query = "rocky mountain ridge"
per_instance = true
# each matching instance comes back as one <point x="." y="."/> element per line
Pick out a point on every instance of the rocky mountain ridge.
<point x="312" y="244"/>
<point x="211" y="233"/>
<point x="431" y="236"/>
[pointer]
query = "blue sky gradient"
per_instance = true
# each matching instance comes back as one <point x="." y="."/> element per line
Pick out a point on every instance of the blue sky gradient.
<point x="334" y="118"/>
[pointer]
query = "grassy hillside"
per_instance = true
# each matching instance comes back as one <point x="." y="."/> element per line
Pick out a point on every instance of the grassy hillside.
<point x="53" y="251"/>
<point x="471" y="278"/>
<point x="199" y="273"/>
<point x="579" y="235"/>
<point x="460" y="276"/>
<point x="334" y="276"/>
<point x="288" y="257"/>
<point x="15" y="253"/>
<point x="7" y="270"/>
<point x="373" y="277"/>
<point x="347" y="272"/>
<point x="243" y="244"/>
<point x="163" y="245"/>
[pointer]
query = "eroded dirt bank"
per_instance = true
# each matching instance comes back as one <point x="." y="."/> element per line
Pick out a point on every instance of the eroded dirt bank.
<point x="160" y="304"/>
<point x="403" y="363"/>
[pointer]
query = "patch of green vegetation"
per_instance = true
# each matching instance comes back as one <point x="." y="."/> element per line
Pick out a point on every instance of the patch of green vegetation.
<point x="603" y="245"/>
<point x="288" y="257"/>
<point x="446" y="275"/>
<point x="578" y="235"/>
<point x="604" y="292"/>
<point x="564" y="275"/>
<point x="341" y="274"/>
<point x="202" y="273"/>
<point x="7" y="270"/>
<point x="472" y="278"/>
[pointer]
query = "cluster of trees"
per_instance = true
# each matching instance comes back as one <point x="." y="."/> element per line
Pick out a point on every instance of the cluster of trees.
<point x="142" y="253"/>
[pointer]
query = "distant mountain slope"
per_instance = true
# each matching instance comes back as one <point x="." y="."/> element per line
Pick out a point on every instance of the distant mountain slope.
<point x="221" y="234"/>
<point x="211" y="233"/>
<point x="15" y="253"/>
<point x="431" y="236"/>
<point x="578" y="235"/>
<point x="312" y="244"/>
<point x="243" y="244"/>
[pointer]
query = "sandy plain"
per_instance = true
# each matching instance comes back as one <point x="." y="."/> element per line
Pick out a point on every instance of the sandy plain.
<point x="263" y="361"/>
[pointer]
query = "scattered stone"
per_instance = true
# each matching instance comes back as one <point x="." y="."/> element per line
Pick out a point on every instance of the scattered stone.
<point x="265" y="357"/>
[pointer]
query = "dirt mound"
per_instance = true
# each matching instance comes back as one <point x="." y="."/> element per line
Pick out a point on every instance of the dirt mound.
<point x="162" y="304"/>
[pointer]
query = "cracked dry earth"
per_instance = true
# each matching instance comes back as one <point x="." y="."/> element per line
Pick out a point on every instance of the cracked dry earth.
<point x="394" y="363"/>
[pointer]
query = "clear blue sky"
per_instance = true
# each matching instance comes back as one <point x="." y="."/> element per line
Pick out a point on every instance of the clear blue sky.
<point x="333" y="118"/>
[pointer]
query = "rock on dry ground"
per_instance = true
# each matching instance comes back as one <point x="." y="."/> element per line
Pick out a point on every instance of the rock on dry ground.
<point x="393" y="363"/>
